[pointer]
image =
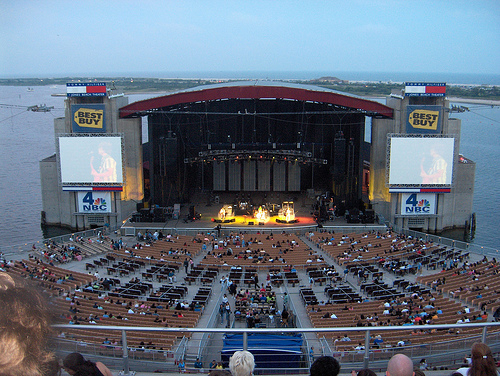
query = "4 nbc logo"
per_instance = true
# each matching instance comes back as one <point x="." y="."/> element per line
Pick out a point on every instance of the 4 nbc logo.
<point x="413" y="206"/>
<point x="91" y="205"/>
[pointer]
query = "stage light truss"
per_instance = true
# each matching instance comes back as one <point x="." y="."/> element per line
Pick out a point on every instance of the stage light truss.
<point x="258" y="155"/>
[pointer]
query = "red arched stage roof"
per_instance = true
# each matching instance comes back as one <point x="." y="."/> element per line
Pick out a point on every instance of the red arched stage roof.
<point x="257" y="91"/>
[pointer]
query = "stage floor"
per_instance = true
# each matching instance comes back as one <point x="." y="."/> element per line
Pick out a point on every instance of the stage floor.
<point x="209" y="211"/>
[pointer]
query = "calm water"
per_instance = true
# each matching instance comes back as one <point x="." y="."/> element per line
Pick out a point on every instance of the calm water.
<point x="28" y="137"/>
<point x="479" y="141"/>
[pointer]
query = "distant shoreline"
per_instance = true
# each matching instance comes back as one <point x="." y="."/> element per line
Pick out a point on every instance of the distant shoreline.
<point x="487" y="102"/>
<point x="376" y="91"/>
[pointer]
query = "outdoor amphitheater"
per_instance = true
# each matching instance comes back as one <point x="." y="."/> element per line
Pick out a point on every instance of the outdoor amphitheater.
<point x="291" y="221"/>
<point x="157" y="299"/>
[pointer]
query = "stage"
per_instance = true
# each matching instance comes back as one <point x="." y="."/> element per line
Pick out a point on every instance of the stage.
<point x="202" y="214"/>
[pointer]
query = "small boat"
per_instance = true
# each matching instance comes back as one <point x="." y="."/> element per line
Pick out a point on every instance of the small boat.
<point x="40" y="108"/>
<point x="30" y="89"/>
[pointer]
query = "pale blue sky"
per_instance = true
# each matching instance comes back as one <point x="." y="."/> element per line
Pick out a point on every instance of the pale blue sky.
<point x="43" y="38"/>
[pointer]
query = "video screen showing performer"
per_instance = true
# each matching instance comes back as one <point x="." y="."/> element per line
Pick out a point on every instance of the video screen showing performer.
<point x="90" y="160"/>
<point x="421" y="161"/>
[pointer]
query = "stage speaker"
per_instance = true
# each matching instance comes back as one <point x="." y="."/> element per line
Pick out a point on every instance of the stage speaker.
<point x="158" y="215"/>
<point x="145" y="215"/>
<point x="250" y="223"/>
<point x="369" y="216"/>
<point x="353" y="216"/>
<point x="339" y="150"/>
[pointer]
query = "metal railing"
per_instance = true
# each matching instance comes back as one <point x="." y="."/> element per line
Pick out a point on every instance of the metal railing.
<point x="446" y="352"/>
<point x="462" y="245"/>
<point x="224" y="231"/>
<point x="212" y="322"/>
<point x="19" y="249"/>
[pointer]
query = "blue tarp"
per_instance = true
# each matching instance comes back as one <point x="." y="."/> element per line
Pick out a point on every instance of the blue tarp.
<point x="270" y="351"/>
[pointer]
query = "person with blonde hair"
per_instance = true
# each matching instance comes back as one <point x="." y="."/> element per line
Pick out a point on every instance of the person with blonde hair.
<point x="483" y="363"/>
<point x="241" y="363"/>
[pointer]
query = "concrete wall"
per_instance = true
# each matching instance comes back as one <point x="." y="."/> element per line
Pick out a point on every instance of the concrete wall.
<point x="51" y="201"/>
<point x="379" y="195"/>
<point x="58" y="205"/>
<point x="458" y="204"/>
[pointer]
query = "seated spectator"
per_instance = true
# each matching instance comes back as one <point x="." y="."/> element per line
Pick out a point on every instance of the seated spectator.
<point x="423" y="365"/>
<point x="483" y="363"/>
<point x="23" y="343"/>
<point x="363" y="372"/>
<point x="198" y="364"/>
<point x="219" y="372"/>
<point x="76" y="365"/>
<point x="359" y="348"/>
<point x="181" y="366"/>
<point x="241" y="363"/>
<point x="377" y="342"/>
<point x="325" y="366"/>
<point x="400" y="365"/>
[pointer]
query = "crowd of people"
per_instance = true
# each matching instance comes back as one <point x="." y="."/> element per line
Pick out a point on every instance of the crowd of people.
<point x="26" y="330"/>
<point x="413" y="309"/>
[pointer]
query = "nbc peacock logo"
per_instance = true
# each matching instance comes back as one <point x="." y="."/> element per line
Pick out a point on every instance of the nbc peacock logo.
<point x="424" y="203"/>
<point x="100" y="201"/>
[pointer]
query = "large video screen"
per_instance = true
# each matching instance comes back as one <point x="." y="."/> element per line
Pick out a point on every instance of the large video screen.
<point x="421" y="161"/>
<point x="91" y="160"/>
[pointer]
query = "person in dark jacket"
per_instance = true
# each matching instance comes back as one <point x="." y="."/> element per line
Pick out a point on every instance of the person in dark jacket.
<point x="76" y="365"/>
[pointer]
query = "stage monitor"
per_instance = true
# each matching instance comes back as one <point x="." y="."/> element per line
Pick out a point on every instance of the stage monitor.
<point x="420" y="161"/>
<point x="90" y="160"/>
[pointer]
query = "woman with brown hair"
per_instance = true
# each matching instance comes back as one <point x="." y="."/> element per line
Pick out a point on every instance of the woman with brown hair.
<point x="24" y="330"/>
<point x="75" y="364"/>
<point x="483" y="363"/>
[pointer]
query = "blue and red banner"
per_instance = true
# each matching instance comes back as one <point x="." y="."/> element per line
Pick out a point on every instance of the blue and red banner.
<point x="425" y="89"/>
<point x="90" y="89"/>
<point x="419" y="190"/>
